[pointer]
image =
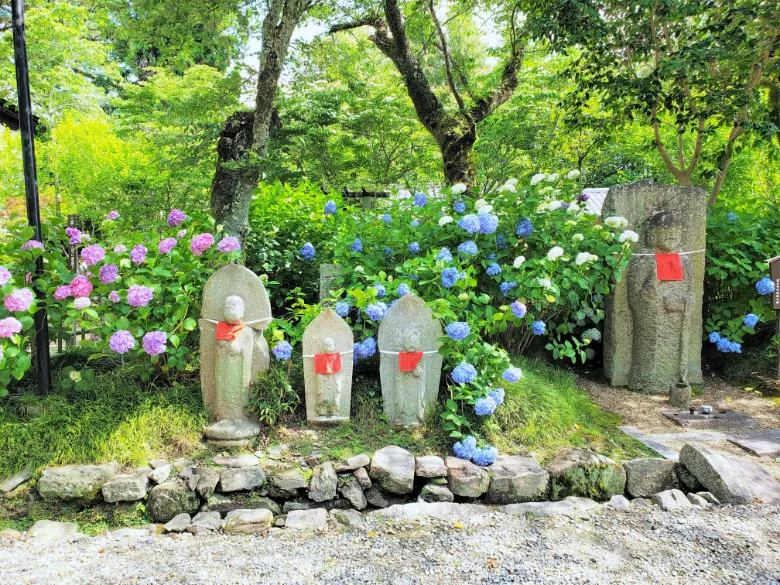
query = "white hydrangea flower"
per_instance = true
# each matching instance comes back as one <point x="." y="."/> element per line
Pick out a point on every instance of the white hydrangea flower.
<point x="507" y="187"/>
<point x="75" y="376"/>
<point x="541" y="208"/>
<point x="552" y="178"/>
<point x="616" y="221"/>
<point x="573" y="207"/>
<point x="485" y="209"/>
<point x="578" y="237"/>
<point x="573" y="174"/>
<point x="584" y="257"/>
<point x="445" y="219"/>
<point x="459" y="188"/>
<point x="518" y="261"/>
<point x="511" y="181"/>
<point x="554" y="253"/>
<point x="553" y="205"/>
<point x="480" y="203"/>
<point x="537" y="178"/>
<point x="544" y="282"/>
<point x="629" y="235"/>
<point x="546" y="189"/>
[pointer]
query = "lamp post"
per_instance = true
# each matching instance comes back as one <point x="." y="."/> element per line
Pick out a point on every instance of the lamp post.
<point x="41" y="354"/>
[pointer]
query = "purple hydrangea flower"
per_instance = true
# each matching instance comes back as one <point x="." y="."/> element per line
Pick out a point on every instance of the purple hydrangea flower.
<point x="120" y="249"/>
<point x="342" y="308"/>
<point x="488" y="223"/>
<point x="229" y="244"/>
<point x="30" y="244"/>
<point x="93" y="254"/>
<point x="518" y="309"/>
<point x="414" y="248"/>
<point x="201" y="243"/>
<point x="175" y="217"/>
<point x="484" y="406"/>
<point x="108" y="273"/>
<point x="121" y="341"/>
<point x="139" y="295"/>
<point x="112" y="215"/>
<point x="180" y="234"/>
<point x="62" y="292"/>
<point x="524" y="228"/>
<point x="464" y="449"/>
<point x="282" y="351"/>
<point x="9" y="327"/>
<point x="19" y="300"/>
<point x="445" y="255"/>
<point x="469" y="223"/>
<point x="458" y="330"/>
<point x="464" y="373"/>
<point x="493" y="269"/>
<point x="308" y="251"/>
<point x="376" y="311"/>
<point x="74" y="235"/>
<point x="468" y="248"/>
<point x="80" y="286"/>
<point x="138" y="254"/>
<point x="165" y="246"/>
<point x="113" y="296"/>
<point x="538" y="327"/>
<point x="583" y="198"/>
<point x="357" y="245"/>
<point x="5" y="275"/>
<point x="512" y="374"/>
<point x="330" y="207"/>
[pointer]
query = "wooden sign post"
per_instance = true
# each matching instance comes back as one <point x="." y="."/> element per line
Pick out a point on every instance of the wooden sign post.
<point x="774" y="274"/>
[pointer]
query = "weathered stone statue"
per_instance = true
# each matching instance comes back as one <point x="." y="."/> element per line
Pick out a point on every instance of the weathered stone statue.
<point x="327" y="368"/>
<point x="410" y="363"/>
<point x="653" y="328"/>
<point x="235" y="311"/>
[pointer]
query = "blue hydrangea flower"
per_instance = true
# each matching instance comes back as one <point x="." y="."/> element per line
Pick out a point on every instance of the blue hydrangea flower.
<point x="497" y="395"/>
<point x="342" y="308"/>
<point x="449" y="276"/>
<point x="732" y="216"/>
<point x="420" y="200"/>
<point x="723" y="345"/>
<point x="470" y="223"/>
<point x="380" y="290"/>
<point x="750" y="320"/>
<point x="538" y="327"/>
<point x="506" y="287"/>
<point x="366" y="348"/>
<point x="714" y="337"/>
<point x="493" y="269"/>
<point x="500" y="242"/>
<point x="357" y="245"/>
<point x="488" y="223"/>
<point x="387" y="218"/>
<point x="464" y="373"/>
<point x="524" y="228"/>
<point x="282" y="351"/>
<point x="330" y="207"/>
<point x="565" y="205"/>
<point x="376" y="311"/>
<point x="765" y="286"/>
<point x="445" y="254"/>
<point x="458" y="330"/>
<point x="414" y="223"/>
<point x="512" y="374"/>
<point x="403" y="289"/>
<point x="465" y="448"/>
<point x="485" y="456"/>
<point x="468" y="248"/>
<point x="308" y="251"/>
<point x="414" y="248"/>
<point x="735" y="347"/>
<point x="518" y="309"/>
<point x="459" y="206"/>
<point x="388" y="252"/>
<point x="491" y="256"/>
<point x="484" y="406"/>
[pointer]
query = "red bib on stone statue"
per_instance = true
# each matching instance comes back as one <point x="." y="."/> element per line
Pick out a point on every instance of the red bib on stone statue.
<point x="668" y="267"/>
<point x="327" y="363"/>
<point x="408" y="360"/>
<point x="228" y="331"/>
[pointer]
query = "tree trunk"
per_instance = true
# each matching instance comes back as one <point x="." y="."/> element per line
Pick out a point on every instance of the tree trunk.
<point x="457" y="151"/>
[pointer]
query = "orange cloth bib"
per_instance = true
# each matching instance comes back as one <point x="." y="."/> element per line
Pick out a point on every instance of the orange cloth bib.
<point x="227" y="331"/>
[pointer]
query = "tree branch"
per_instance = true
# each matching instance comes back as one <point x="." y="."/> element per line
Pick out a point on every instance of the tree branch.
<point x="447" y="59"/>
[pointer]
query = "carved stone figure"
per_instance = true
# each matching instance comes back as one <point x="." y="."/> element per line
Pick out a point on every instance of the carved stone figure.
<point x="410" y="364"/>
<point x="653" y="328"/>
<point x="327" y="368"/>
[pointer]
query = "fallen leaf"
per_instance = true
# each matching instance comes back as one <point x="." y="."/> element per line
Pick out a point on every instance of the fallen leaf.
<point x="492" y="564"/>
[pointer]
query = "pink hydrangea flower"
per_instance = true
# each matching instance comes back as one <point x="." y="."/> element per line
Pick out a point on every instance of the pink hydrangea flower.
<point x="30" y="244"/>
<point x="1" y="352"/>
<point x="181" y="233"/>
<point x="154" y="342"/>
<point x="93" y="254"/>
<point x="112" y="215"/>
<point x="108" y="273"/>
<point x="139" y="295"/>
<point x="175" y="217"/>
<point x="113" y="296"/>
<point x="229" y="244"/>
<point x="81" y="286"/>
<point x="201" y="243"/>
<point x="93" y="337"/>
<point x="122" y="341"/>
<point x="138" y="254"/>
<point x="82" y="303"/>
<point x="166" y="245"/>
<point x="120" y="249"/>
<point x="5" y="275"/>
<point x="28" y="278"/>
<point x="9" y="326"/>
<point x="62" y="292"/>
<point x="19" y="300"/>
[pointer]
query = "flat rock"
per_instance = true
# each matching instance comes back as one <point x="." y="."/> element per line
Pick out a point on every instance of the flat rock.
<point x="361" y="475"/>
<point x="577" y="472"/>
<point x="641" y="503"/>
<point x="619" y="503"/>
<point x="381" y="499"/>
<point x="353" y="493"/>
<point x="232" y="430"/>
<point x="248" y="521"/>
<point x="708" y="497"/>
<point x="514" y="480"/>
<point x="353" y="463"/>
<point x="314" y="519"/>
<point x="430" y="466"/>
<point x="49" y="530"/>
<point x="349" y="518"/>
<point x="570" y="506"/>
<point x="764" y="488"/>
<point x="155" y="463"/>
<point x="10" y="534"/>
<point x="671" y="500"/>
<point x="234" y="479"/>
<point x="290" y="506"/>
<point x="648" y="476"/>
<point x="285" y="483"/>
<point x="247" y="460"/>
<point x="75" y="483"/>
<point x="126" y="487"/>
<point x="161" y="473"/>
<point x="760" y="444"/>
<point x="11" y="483"/>
<point x="323" y="483"/>
<point x="436" y="493"/>
<point x="716" y="473"/>
<point x="446" y="511"/>
<point x="728" y="421"/>
<point x="239" y="501"/>
<point x="179" y="523"/>
<point x="393" y="469"/>
<point x="208" y="479"/>
<point x="123" y="533"/>
<point x="466" y="479"/>
<point x="698" y="500"/>
<point x="168" y="500"/>
<point x="181" y="463"/>
<point x="205" y="522"/>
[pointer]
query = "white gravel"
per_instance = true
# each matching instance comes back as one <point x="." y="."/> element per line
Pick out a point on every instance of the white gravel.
<point x="739" y="545"/>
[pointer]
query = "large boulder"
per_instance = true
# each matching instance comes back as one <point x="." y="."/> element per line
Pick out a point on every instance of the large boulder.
<point x="75" y="483"/>
<point x="648" y="476"/>
<point x="323" y="483"/>
<point x="430" y="466"/>
<point x="248" y="521"/>
<point x="516" y="479"/>
<point x="393" y="469"/>
<point x="352" y="492"/>
<point x="436" y="493"/>
<point x="466" y="479"/>
<point x="168" y="500"/>
<point x="716" y="473"/>
<point x="576" y="472"/>
<point x="126" y="487"/>
<point x="764" y="487"/>
<point x="234" y="479"/>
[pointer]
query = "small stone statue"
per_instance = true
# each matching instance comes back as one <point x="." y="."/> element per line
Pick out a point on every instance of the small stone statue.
<point x="327" y="369"/>
<point x="409" y="363"/>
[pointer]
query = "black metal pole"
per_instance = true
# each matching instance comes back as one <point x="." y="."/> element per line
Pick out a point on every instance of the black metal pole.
<point x="41" y="353"/>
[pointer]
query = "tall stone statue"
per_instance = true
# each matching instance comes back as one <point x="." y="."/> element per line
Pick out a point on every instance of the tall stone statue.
<point x="327" y="369"/>
<point x="235" y="311"/>
<point x="653" y="327"/>
<point x="409" y="363"/>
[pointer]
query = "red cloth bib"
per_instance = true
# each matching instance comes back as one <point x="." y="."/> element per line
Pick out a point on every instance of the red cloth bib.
<point x="408" y="360"/>
<point x="227" y="331"/>
<point x="668" y="267"/>
<point x="327" y="363"/>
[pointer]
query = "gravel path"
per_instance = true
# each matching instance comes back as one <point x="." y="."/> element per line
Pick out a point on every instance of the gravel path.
<point x="736" y="545"/>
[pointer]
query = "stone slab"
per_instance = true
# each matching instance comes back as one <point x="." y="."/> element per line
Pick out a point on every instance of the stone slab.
<point x="13" y="482"/>
<point x="650" y="443"/>
<point x="764" y="488"/>
<point x="570" y="506"/>
<point x="717" y="421"/>
<point x="760" y="445"/>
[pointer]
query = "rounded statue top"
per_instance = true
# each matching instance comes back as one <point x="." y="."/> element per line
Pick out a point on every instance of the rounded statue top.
<point x="234" y="309"/>
<point x="327" y="333"/>
<point x="665" y="231"/>
<point x="409" y="326"/>
<point x="238" y="281"/>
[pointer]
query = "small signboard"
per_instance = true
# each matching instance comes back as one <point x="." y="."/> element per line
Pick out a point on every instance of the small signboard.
<point x="774" y="274"/>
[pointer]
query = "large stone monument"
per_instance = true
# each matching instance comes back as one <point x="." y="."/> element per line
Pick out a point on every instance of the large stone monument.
<point x="653" y="327"/>
<point x="234" y="314"/>
<point x="409" y="363"/>
<point x="327" y="369"/>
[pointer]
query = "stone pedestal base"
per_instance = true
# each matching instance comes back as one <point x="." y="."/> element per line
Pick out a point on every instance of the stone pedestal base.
<point x="327" y="421"/>
<point x="680" y="396"/>
<point x="232" y="433"/>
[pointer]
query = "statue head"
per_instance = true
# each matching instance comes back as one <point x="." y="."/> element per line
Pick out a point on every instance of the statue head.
<point x="234" y="309"/>
<point x="329" y="345"/>
<point x="411" y="341"/>
<point x="664" y="231"/>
